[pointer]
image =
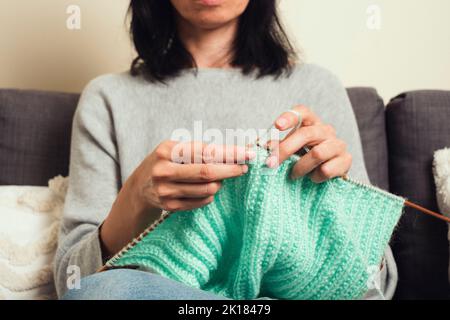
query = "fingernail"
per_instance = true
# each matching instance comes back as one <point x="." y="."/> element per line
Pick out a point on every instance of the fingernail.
<point x="244" y="169"/>
<point x="282" y="122"/>
<point x="272" y="162"/>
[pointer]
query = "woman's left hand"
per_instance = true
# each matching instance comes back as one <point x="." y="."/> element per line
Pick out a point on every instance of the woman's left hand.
<point x="328" y="156"/>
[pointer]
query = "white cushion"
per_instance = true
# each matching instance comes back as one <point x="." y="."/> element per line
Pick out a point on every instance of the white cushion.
<point x="441" y="171"/>
<point x="29" y="225"/>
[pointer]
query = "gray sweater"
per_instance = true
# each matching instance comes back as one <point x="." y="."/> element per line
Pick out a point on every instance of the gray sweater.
<point x="120" y="119"/>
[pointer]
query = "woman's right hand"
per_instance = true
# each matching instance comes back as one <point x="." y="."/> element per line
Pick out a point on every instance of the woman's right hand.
<point x="162" y="182"/>
<point x="185" y="176"/>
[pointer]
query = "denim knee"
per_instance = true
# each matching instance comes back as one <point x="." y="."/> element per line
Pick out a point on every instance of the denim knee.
<point x="126" y="284"/>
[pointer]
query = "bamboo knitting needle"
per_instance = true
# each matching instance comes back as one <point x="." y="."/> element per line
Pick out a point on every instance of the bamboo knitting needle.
<point x="419" y="208"/>
<point x="426" y="211"/>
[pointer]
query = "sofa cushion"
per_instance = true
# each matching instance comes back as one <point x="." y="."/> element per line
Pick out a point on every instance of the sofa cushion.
<point x="417" y="126"/>
<point x="369" y="111"/>
<point x="441" y="172"/>
<point x="29" y="224"/>
<point x="35" y="129"/>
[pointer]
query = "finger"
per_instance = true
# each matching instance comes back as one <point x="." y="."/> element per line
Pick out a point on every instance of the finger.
<point x="319" y="154"/>
<point x="289" y="120"/>
<point x="199" y="152"/>
<point x="272" y="145"/>
<point x="174" y="205"/>
<point x="194" y="173"/>
<point x="227" y="154"/>
<point x="305" y="136"/>
<point x="187" y="190"/>
<point x="336" y="167"/>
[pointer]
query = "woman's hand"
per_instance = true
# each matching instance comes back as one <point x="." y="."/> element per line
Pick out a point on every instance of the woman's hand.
<point x="328" y="157"/>
<point x="162" y="182"/>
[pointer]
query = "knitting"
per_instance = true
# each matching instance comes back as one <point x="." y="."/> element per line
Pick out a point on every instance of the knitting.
<point x="266" y="235"/>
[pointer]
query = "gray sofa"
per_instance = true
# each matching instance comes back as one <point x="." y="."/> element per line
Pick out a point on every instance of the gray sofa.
<point x="398" y="140"/>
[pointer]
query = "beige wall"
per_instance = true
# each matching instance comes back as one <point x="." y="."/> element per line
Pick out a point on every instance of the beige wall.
<point x="410" y="51"/>
<point x="38" y="51"/>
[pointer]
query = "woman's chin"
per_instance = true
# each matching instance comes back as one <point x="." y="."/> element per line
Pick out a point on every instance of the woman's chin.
<point x="210" y="21"/>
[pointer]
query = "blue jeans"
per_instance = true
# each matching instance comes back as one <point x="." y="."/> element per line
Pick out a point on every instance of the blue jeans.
<point x="126" y="284"/>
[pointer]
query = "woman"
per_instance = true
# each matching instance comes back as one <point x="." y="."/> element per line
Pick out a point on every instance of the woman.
<point x="226" y="63"/>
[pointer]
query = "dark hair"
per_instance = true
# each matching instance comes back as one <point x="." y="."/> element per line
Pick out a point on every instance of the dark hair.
<point x="261" y="43"/>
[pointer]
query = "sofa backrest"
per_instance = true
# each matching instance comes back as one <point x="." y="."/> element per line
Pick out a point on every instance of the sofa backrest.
<point x="369" y="112"/>
<point x="35" y="129"/>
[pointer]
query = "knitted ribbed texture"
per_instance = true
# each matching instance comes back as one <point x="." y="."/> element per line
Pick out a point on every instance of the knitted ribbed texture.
<point x="268" y="235"/>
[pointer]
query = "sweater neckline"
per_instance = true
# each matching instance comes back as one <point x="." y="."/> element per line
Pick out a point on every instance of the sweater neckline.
<point x="215" y="71"/>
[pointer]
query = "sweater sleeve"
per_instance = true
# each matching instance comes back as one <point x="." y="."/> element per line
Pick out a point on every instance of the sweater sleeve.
<point x="333" y="106"/>
<point x="94" y="182"/>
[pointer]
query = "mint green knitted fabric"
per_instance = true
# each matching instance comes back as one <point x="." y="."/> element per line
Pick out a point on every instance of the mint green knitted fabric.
<point x="266" y="235"/>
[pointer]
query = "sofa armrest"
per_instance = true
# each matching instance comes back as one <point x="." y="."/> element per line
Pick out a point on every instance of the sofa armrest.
<point x="417" y="126"/>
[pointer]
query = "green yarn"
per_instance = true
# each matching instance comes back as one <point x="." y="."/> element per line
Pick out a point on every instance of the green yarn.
<point x="266" y="235"/>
